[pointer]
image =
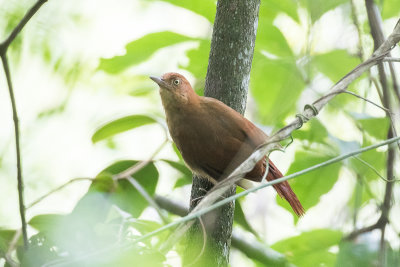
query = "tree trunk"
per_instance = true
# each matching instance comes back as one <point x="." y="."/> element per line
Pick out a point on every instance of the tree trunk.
<point x="228" y="76"/>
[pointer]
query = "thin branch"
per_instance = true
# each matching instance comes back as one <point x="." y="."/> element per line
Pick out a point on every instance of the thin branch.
<point x="375" y="23"/>
<point x="141" y="164"/>
<point x="57" y="189"/>
<point x="121" y="175"/>
<point x="205" y="209"/>
<point x="11" y="247"/>
<point x="6" y="43"/>
<point x="197" y="213"/>
<point x="248" y="164"/>
<point x="18" y="150"/>
<point x="367" y="100"/>
<point x="3" y="50"/>
<point x="358" y="232"/>
<point x="376" y="171"/>
<point x="391" y="59"/>
<point x="251" y="248"/>
<point x="148" y="198"/>
<point x="272" y="142"/>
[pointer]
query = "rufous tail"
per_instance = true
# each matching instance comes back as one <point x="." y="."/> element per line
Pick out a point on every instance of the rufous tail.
<point x="284" y="190"/>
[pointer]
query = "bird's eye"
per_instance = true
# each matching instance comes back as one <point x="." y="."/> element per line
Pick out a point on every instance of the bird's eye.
<point x="176" y="82"/>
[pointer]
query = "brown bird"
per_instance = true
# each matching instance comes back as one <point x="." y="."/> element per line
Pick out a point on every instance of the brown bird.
<point x="213" y="138"/>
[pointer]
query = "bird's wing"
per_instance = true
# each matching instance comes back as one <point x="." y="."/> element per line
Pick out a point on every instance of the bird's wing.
<point x="234" y="138"/>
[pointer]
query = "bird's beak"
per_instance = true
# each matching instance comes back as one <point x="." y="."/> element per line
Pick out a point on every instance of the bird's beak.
<point x="159" y="81"/>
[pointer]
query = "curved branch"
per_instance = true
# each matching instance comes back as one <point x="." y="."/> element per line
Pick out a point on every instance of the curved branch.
<point x="3" y="50"/>
<point x="254" y="249"/>
<point x="18" y="150"/>
<point x="6" y="43"/>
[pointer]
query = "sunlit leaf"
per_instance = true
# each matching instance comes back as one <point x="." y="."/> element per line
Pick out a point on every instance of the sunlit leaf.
<point x="390" y="9"/>
<point x="6" y="236"/>
<point x="313" y="131"/>
<point x="310" y="248"/>
<point x="198" y="59"/>
<point x="205" y="8"/>
<point x="240" y="218"/>
<point x="376" y="127"/>
<point x="335" y="64"/>
<point x="124" y="195"/>
<point x="272" y="7"/>
<point x="132" y="256"/>
<point x="140" y="50"/>
<point x="351" y="254"/>
<point x="121" y="125"/>
<point x="370" y="162"/>
<point x="271" y="39"/>
<point x="317" y="8"/>
<point x="144" y="226"/>
<point x="45" y="222"/>
<point x="275" y="86"/>
<point x="186" y="177"/>
<point x="41" y="251"/>
<point x="311" y="186"/>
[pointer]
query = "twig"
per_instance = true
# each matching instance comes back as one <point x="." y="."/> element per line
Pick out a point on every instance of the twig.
<point x="6" y="43"/>
<point x="375" y="23"/>
<point x="58" y="189"/>
<point x="251" y="248"/>
<point x="367" y="100"/>
<point x="309" y="112"/>
<point x="358" y="232"/>
<point x="138" y="166"/>
<point x="18" y="150"/>
<point x="148" y="198"/>
<point x="376" y="171"/>
<point x="3" y="51"/>
<point x="11" y="247"/>
<point x="391" y="59"/>
<point x="195" y="214"/>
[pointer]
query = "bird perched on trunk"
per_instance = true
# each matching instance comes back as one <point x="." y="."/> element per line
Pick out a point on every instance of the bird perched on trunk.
<point x="213" y="138"/>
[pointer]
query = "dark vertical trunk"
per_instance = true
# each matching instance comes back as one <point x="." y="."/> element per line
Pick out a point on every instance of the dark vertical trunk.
<point x="228" y="76"/>
<point x="375" y="23"/>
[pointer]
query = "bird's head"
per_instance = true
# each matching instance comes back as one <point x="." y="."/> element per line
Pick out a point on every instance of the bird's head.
<point x="174" y="87"/>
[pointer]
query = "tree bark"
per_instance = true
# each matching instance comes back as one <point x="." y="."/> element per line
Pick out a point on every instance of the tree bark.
<point x="227" y="79"/>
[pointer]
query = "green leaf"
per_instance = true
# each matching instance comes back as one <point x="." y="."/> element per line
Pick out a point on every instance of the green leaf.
<point x="311" y="186"/>
<point x="186" y="177"/>
<point x="124" y="195"/>
<point x="271" y="8"/>
<point x="6" y="236"/>
<point x="376" y="127"/>
<point x="275" y="86"/>
<point x="313" y="131"/>
<point x="240" y="219"/>
<point x="179" y="166"/>
<point x="317" y="8"/>
<point x="390" y="9"/>
<point x="310" y="248"/>
<point x="41" y="251"/>
<point x="121" y="125"/>
<point x="205" y="8"/>
<point x="376" y="159"/>
<point x="46" y="222"/>
<point x="198" y="59"/>
<point x="140" y="50"/>
<point x="177" y="152"/>
<point x="351" y="254"/>
<point x="335" y="64"/>
<point x="270" y="39"/>
<point x="144" y="226"/>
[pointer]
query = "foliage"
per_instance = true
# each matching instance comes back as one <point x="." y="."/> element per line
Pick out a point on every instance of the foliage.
<point x="102" y="226"/>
